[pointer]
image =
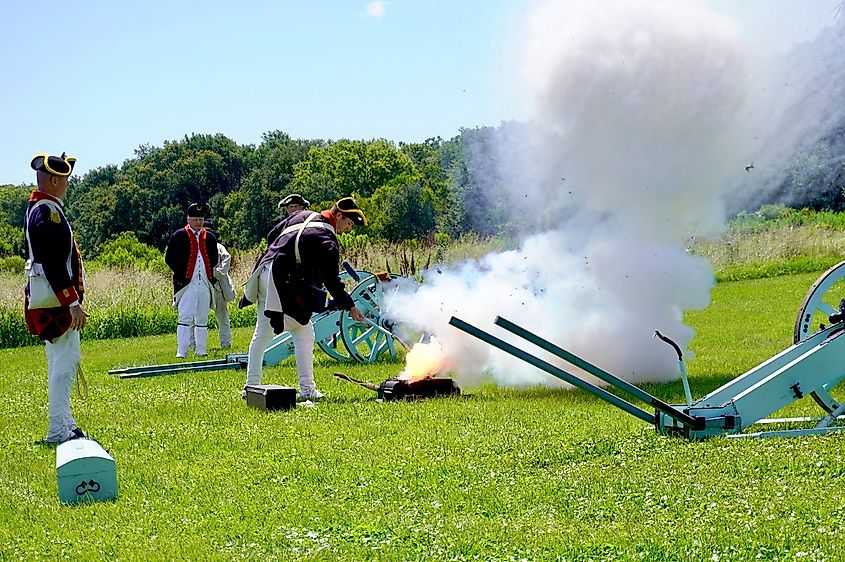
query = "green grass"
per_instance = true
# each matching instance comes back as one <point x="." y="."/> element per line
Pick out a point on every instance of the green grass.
<point x="772" y="249"/>
<point x="499" y="475"/>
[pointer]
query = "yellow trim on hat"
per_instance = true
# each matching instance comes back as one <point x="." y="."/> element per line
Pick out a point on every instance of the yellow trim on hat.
<point x="358" y="212"/>
<point x="43" y="155"/>
<point x="49" y="170"/>
<point x="355" y="211"/>
<point x="54" y="172"/>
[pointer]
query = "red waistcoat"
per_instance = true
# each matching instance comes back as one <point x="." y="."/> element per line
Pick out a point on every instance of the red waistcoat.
<point x="192" y="255"/>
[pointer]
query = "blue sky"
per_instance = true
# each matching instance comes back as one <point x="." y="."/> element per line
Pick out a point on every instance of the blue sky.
<point x="114" y="75"/>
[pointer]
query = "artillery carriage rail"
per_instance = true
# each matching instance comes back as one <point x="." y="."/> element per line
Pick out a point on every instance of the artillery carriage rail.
<point x="814" y="365"/>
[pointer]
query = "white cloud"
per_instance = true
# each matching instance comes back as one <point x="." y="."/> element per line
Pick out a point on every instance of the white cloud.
<point x="376" y="9"/>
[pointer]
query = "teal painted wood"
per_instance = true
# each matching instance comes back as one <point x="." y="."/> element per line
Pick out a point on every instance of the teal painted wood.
<point x="824" y="364"/>
<point x="787" y="432"/>
<point x="281" y="346"/>
<point x="552" y="370"/>
<point x="607" y="377"/>
<point x="682" y="367"/>
<point x="738" y="385"/>
<point x="813" y="364"/>
<point x="85" y="471"/>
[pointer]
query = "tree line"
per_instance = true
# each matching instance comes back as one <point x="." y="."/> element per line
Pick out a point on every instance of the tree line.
<point x="408" y="190"/>
<point x="436" y="188"/>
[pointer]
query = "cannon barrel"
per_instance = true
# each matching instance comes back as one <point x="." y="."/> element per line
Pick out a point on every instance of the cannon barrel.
<point x="401" y="389"/>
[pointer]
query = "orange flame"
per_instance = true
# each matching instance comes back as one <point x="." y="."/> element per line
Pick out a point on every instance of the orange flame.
<point x="424" y="360"/>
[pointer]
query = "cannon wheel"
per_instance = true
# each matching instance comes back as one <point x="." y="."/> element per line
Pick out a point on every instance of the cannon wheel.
<point x="333" y="346"/>
<point x="821" y="301"/>
<point x="364" y="342"/>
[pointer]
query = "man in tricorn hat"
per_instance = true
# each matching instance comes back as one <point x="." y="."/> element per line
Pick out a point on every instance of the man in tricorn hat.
<point x="287" y="283"/>
<point x="52" y="254"/>
<point x="192" y="255"/>
<point x="292" y="204"/>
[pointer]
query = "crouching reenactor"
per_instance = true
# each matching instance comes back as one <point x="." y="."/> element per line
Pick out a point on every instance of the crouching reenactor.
<point x="287" y="285"/>
<point x="55" y="288"/>
<point x="192" y="255"/>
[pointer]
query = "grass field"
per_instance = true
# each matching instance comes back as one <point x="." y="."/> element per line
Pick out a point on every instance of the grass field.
<point x="499" y="475"/>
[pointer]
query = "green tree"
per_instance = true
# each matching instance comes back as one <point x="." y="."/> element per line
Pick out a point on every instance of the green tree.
<point x="190" y="170"/>
<point x="346" y="166"/>
<point x="249" y="213"/>
<point x="13" y="202"/>
<point x="402" y="210"/>
<point x="477" y="184"/>
<point x="441" y="167"/>
<point x="125" y="251"/>
<point x="12" y="241"/>
<point x="150" y="193"/>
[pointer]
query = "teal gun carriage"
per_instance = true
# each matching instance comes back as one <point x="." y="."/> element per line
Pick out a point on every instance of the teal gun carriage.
<point x="335" y="332"/>
<point x="812" y="366"/>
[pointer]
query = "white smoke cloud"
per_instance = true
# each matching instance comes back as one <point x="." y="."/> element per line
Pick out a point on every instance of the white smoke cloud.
<point x="376" y="9"/>
<point x="793" y="131"/>
<point x="639" y="107"/>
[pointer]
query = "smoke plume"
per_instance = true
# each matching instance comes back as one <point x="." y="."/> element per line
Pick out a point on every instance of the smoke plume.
<point x="795" y="124"/>
<point x="641" y="126"/>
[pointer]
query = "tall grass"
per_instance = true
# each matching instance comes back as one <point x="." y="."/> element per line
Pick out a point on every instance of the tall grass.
<point x="128" y="302"/>
<point x="778" y="243"/>
<point x="775" y="241"/>
<point x="411" y="257"/>
<point x="121" y="303"/>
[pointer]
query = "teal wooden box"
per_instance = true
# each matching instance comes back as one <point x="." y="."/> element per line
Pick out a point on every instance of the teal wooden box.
<point x="85" y="470"/>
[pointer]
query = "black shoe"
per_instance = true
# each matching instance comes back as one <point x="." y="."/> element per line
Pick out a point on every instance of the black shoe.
<point x="78" y="434"/>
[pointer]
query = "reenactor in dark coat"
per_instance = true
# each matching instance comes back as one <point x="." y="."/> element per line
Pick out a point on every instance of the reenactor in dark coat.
<point x="53" y="295"/>
<point x="287" y="284"/>
<point x="192" y="256"/>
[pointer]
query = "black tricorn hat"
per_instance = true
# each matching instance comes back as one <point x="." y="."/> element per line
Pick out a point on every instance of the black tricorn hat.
<point x="294" y="199"/>
<point x="348" y="207"/>
<point x="197" y="210"/>
<point x="54" y="165"/>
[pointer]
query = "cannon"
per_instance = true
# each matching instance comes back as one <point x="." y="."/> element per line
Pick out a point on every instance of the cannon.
<point x="402" y="389"/>
<point x="814" y="365"/>
<point x="335" y="332"/>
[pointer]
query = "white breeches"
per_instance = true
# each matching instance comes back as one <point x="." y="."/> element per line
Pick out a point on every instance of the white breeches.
<point x="221" y="312"/>
<point x="193" y="317"/>
<point x="303" y="341"/>
<point x="63" y="357"/>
